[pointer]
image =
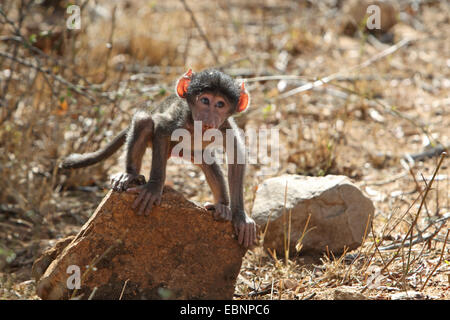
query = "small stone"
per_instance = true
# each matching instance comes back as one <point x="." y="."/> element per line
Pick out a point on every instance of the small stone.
<point x="408" y="295"/>
<point x="347" y="293"/>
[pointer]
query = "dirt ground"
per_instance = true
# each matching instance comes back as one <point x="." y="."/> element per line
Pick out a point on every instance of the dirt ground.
<point x="382" y="103"/>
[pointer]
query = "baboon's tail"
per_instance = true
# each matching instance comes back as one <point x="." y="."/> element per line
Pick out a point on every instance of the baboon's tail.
<point x="76" y="160"/>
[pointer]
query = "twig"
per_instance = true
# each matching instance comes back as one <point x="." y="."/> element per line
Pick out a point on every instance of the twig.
<point x="110" y="42"/>
<point x="60" y="79"/>
<point x="435" y="151"/>
<point x="331" y="77"/>
<point x="230" y="63"/>
<point x="260" y="292"/>
<point x="369" y="220"/>
<point x="440" y="260"/>
<point x="286" y="239"/>
<point x="418" y="213"/>
<point x="16" y="48"/>
<point x="34" y="50"/>
<point x="420" y="239"/>
<point x="312" y="295"/>
<point x="299" y="245"/>
<point x="388" y="109"/>
<point x="94" y="262"/>
<point x="266" y="227"/>
<point x="426" y="207"/>
<point x="91" y="296"/>
<point x="398" y="220"/>
<point x="202" y="34"/>
<point x="386" y="181"/>
<point x="9" y="111"/>
<point x="271" y="291"/>
<point x="340" y="78"/>
<point x="123" y="289"/>
<point x="377" y="249"/>
<point x="428" y="239"/>
<point x="443" y="155"/>
<point x="9" y="21"/>
<point x="277" y="77"/>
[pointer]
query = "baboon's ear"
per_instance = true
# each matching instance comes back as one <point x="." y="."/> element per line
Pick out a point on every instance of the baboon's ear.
<point x="244" y="99"/>
<point x="183" y="84"/>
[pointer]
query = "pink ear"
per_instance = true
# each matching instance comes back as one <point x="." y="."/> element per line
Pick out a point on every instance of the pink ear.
<point x="183" y="84"/>
<point x="244" y="99"/>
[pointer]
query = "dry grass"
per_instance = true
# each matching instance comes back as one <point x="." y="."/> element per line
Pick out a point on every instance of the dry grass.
<point x="359" y="124"/>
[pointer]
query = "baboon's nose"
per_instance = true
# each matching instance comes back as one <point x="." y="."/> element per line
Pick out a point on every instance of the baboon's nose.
<point x="207" y="126"/>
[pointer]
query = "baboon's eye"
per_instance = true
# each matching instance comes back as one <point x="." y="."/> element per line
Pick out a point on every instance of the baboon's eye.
<point x="204" y="100"/>
<point x="220" y="104"/>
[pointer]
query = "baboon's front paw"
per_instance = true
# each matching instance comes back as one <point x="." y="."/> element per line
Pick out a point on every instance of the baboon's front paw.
<point x="149" y="194"/>
<point x="245" y="228"/>
<point x="121" y="181"/>
<point x="221" y="211"/>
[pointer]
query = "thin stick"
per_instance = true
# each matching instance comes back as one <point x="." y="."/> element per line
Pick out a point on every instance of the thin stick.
<point x="418" y="212"/>
<point x="443" y="155"/>
<point x="440" y="260"/>
<point x="377" y="250"/>
<point x="286" y="248"/>
<point x="276" y="78"/>
<point x="91" y="296"/>
<point x="289" y="232"/>
<point x="230" y="63"/>
<point x="267" y="226"/>
<point x="76" y="88"/>
<point x="420" y="239"/>
<point x="299" y="244"/>
<point x="388" y="109"/>
<point x="333" y="76"/>
<point x="386" y="181"/>
<point x="94" y="262"/>
<point x="360" y="248"/>
<point x="271" y="290"/>
<point x="202" y="34"/>
<point x="110" y="42"/>
<point x="123" y="289"/>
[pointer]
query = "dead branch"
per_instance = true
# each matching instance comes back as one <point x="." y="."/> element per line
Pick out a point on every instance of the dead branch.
<point x="386" y="107"/>
<point x="331" y="77"/>
<point x="429" y="153"/>
<point x="421" y="238"/>
<point x="439" y="263"/>
<point x="410" y="230"/>
<point x="77" y="88"/>
<point x="200" y="30"/>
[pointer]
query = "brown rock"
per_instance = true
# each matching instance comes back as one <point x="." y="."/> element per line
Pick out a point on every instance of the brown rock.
<point x="42" y="263"/>
<point x="178" y="252"/>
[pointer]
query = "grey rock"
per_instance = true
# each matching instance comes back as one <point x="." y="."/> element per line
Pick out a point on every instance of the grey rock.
<point x="339" y="213"/>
